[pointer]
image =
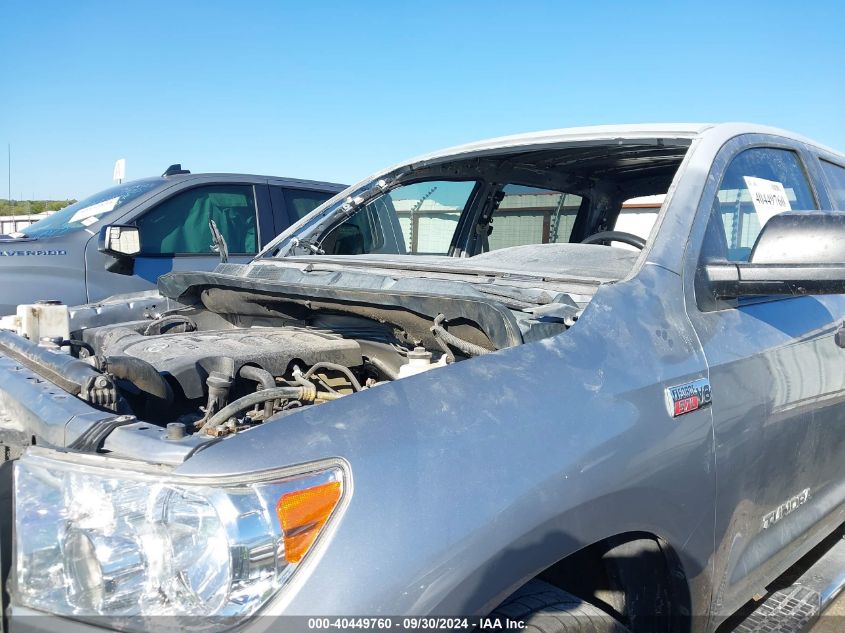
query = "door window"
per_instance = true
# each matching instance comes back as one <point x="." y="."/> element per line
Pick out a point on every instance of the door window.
<point x="179" y="225"/>
<point x="758" y="183"/>
<point x="301" y="202"/>
<point x="836" y="180"/>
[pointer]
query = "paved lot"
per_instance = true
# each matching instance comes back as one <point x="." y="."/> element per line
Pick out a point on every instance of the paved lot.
<point x="833" y="619"/>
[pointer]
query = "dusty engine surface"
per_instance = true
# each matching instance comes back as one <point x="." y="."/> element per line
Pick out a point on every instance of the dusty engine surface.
<point x="191" y="356"/>
<point x="179" y="379"/>
<point x="160" y="387"/>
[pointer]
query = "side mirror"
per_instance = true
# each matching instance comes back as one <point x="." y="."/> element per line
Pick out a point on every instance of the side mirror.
<point x="120" y="241"/>
<point x="796" y="253"/>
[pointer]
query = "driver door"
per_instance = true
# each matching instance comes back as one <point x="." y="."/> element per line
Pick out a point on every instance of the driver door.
<point x="175" y="236"/>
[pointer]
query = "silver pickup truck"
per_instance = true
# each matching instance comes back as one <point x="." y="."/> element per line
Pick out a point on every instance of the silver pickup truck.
<point x="459" y="394"/>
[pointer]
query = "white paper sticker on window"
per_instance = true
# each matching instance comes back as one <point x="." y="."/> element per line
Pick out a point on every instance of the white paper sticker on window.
<point x="94" y="210"/>
<point x="768" y="197"/>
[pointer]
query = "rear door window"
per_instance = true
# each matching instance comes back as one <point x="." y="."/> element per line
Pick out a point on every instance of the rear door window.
<point x="301" y="202"/>
<point x="179" y="225"/>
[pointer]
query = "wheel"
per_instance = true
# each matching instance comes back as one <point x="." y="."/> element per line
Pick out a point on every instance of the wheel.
<point x="543" y="608"/>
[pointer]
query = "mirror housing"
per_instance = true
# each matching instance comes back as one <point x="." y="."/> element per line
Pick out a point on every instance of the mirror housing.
<point x="796" y="253"/>
<point x="123" y="243"/>
<point x="120" y="240"/>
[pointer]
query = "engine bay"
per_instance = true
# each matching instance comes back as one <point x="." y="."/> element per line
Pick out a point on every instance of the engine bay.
<point x="187" y="357"/>
<point x="219" y="380"/>
<point x="231" y="352"/>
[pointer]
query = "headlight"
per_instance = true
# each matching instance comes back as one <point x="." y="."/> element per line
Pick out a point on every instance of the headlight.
<point x="104" y="537"/>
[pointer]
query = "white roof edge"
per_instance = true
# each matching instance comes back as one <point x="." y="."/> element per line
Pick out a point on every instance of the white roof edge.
<point x="735" y="128"/>
<point x="574" y="135"/>
<point x="610" y="132"/>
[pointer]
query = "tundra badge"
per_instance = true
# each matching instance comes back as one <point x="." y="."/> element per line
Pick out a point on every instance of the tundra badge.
<point x="687" y="397"/>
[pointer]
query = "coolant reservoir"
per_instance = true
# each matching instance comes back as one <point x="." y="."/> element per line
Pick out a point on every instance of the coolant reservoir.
<point x="419" y="360"/>
<point x="43" y="319"/>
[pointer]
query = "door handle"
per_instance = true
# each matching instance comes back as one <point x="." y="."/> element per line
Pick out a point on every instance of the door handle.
<point x="839" y="337"/>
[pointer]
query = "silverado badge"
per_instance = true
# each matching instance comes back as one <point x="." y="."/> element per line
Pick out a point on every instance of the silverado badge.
<point x="687" y="397"/>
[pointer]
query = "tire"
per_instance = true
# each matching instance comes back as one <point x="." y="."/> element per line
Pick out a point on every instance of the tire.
<point x="637" y="575"/>
<point x="543" y="608"/>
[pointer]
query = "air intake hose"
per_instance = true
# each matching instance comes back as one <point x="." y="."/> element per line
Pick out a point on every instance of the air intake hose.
<point x="139" y="372"/>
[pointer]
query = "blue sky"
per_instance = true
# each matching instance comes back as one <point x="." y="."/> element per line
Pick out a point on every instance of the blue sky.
<point x="333" y="91"/>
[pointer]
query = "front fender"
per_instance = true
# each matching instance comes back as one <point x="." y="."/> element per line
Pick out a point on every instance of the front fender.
<point x="33" y="270"/>
<point x="472" y="478"/>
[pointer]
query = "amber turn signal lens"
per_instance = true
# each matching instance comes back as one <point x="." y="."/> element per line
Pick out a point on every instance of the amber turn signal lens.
<point x="302" y="514"/>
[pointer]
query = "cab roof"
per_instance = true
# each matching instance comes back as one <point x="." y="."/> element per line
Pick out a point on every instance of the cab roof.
<point x="682" y="133"/>
<point x="277" y="180"/>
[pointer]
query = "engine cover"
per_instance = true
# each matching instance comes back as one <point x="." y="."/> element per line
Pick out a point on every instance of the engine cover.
<point x="190" y="357"/>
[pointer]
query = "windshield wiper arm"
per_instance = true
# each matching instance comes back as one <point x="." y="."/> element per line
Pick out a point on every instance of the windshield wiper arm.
<point x="219" y="245"/>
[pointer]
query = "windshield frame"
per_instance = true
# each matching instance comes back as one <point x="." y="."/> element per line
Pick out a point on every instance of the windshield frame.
<point x="684" y="142"/>
<point x="58" y="224"/>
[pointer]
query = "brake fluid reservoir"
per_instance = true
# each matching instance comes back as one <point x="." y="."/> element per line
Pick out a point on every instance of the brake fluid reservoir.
<point x="43" y="319"/>
<point x="419" y="360"/>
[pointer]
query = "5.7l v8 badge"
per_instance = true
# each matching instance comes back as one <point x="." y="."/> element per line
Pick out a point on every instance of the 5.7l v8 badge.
<point x="688" y="397"/>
